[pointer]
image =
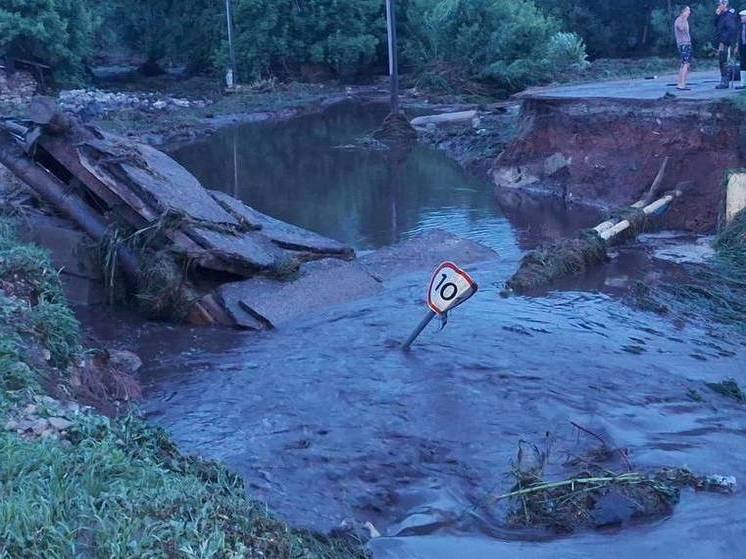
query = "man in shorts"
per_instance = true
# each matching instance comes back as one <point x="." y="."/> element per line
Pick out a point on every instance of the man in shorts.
<point x="684" y="43"/>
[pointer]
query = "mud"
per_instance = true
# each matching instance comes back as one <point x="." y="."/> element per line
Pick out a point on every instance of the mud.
<point x="607" y="152"/>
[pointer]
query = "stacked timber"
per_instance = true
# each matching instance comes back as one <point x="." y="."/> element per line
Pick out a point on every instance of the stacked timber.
<point x="174" y="241"/>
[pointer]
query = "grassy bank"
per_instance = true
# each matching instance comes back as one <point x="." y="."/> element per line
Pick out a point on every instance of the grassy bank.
<point x="74" y="483"/>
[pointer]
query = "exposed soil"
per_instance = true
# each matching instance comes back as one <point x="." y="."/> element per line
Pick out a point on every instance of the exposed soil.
<point x="608" y="151"/>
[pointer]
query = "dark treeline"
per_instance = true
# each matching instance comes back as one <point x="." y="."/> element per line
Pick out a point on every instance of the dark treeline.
<point x="510" y="43"/>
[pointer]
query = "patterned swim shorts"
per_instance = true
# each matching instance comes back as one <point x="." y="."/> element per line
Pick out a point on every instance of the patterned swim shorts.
<point x="686" y="54"/>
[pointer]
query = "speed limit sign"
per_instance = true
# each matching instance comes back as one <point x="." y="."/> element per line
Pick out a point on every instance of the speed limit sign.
<point x="449" y="287"/>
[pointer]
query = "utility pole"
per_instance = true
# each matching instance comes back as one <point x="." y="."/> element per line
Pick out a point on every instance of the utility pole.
<point x="232" y="51"/>
<point x="393" y="57"/>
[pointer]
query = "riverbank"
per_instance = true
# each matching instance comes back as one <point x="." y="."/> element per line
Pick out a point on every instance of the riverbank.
<point x="77" y="481"/>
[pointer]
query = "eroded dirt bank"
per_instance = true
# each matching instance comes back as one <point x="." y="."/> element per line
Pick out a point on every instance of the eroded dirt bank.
<point x="607" y="152"/>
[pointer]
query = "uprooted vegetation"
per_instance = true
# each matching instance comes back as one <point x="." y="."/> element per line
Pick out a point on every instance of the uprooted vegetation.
<point x="603" y="489"/>
<point x="77" y="483"/>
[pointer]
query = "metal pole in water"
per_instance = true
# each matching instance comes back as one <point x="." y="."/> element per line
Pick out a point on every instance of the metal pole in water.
<point x="393" y="57"/>
<point x="417" y="331"/>
<point x="231" y="48"/>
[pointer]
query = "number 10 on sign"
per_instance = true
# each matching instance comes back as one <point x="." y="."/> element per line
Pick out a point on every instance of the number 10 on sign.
<point x="450" y="286"/>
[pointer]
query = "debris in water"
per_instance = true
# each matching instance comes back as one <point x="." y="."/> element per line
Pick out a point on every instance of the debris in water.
<point x="550" y="262"/>
<point x="728" y="388"/>
<point x="597" y="495"/>
<point x="396" y="129"/>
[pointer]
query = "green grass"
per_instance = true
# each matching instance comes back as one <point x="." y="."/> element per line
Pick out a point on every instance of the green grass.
<point x="111" y="488"/>
<point x="123" y="490"/>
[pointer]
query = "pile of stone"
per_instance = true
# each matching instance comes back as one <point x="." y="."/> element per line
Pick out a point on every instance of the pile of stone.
<point x="44" y="418"/>
<point x="96" y="102"/>
<point x="17" y="88"/>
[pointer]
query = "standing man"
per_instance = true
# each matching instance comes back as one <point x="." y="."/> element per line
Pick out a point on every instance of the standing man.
<point x="742" y="49"/>
<point x="726" y="37"/>
<point x="684" y="43"/>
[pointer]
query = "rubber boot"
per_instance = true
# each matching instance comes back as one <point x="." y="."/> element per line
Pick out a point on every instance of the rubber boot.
<point x="724" y="77"/>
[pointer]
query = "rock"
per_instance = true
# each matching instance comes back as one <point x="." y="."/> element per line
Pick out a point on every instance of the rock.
<point x="183" y="103"/>
<point x="38" y="426"/>
<point x="60" y="423"/>
<point x="125" y="361"/>
<point x="555" y="163"/>
<point x="160" y="105"/>
<point x="30" y="409"/>
<point x="11" y="425"/>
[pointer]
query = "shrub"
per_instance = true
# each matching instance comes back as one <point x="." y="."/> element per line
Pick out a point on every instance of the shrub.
<point x="56" y="32"/>
<point x="566" y="52"/>
<point x="279" y="36"/>
<point x="509" y="44"/>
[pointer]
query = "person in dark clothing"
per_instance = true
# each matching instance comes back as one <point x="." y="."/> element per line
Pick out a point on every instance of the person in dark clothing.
<point x="726" y="37"/>
<point x="742" y="50"/>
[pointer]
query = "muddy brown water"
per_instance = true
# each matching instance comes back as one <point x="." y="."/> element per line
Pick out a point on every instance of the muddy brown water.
<point x="328" y="420"/>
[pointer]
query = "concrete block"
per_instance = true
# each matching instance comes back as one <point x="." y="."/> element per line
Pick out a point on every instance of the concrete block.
<point x="735" y="196"/>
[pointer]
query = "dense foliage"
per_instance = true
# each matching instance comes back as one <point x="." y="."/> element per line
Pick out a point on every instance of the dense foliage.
<point x="281" y="36"/>
<point x="632" y="27"/>
<point x="509" y="43"/>
<point x="56" y="32"/>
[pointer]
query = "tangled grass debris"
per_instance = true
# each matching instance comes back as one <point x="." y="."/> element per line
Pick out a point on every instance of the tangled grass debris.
<point x="728" y="388"/>
<point x="553" y="261"/>
<point x="597" y="495"/>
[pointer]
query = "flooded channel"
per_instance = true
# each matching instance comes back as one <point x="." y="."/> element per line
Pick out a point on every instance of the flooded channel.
<point x="328" y="420"/>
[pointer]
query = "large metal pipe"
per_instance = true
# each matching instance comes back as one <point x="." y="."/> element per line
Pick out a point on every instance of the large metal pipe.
<point x="53" y="191"/>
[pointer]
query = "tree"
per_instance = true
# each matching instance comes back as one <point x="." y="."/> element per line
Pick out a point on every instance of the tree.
<point x="58" y="33"/>
<point x="510" y="43"/>
<point x="279" y="36"/>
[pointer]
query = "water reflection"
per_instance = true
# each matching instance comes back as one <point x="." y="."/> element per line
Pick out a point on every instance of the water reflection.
<point x="296" y="172"/>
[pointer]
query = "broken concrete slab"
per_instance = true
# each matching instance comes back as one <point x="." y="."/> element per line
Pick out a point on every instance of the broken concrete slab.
<point x="243" y="254"/>
<point x="285" y="235"/>
<point x="157" y="179"/>
<point x="259" y="302"/>
<point x="424" y="252"/>
<point x="72" y="251"/>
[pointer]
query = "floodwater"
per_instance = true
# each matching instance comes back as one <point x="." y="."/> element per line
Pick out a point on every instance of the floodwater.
<point x="328" y="420"/>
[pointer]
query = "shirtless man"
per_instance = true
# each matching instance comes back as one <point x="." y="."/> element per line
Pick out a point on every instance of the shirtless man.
<point x="684" y="43"/>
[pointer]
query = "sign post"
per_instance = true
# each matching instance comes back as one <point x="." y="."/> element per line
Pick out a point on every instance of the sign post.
<point x="450" y="286"/>
<point x="393" y="57"/>
<point x="233" y="72"/>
